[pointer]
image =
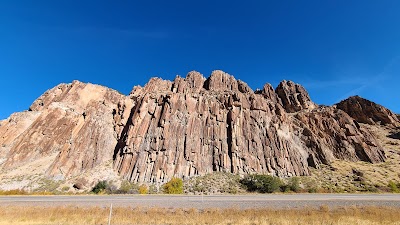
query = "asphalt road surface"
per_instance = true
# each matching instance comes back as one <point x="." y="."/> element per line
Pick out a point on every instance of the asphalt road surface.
<point x="201" y="202"/>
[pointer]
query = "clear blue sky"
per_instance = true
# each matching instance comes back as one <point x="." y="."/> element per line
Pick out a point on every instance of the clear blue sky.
<point x="334" y="48"/>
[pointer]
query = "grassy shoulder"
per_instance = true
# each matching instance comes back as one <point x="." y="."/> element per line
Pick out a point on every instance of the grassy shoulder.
<point x="20" y="215"/>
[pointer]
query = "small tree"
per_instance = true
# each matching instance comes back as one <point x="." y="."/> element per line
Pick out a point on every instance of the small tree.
<point x="174" y="186"/>
<point x="100" y="187"/>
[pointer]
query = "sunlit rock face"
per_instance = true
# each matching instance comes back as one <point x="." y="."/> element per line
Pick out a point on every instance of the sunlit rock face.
<point x="72" y="123"/>
<point x="183" y="128"/>
<point x="193" y="126"/>
<point x="365" y="111"/>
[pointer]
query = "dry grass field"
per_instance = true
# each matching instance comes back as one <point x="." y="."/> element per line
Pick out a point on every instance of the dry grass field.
<point x="96" y="215"/>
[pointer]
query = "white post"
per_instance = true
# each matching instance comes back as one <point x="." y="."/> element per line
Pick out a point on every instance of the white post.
<point x="109" y="217"/>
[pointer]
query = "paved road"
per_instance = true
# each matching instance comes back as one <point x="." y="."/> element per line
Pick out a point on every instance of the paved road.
<point x="200" y="202"/>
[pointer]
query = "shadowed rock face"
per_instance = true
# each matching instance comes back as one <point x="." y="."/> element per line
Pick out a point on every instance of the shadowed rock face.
<point x="365" y="111"/>
<point x="186" y="127"/>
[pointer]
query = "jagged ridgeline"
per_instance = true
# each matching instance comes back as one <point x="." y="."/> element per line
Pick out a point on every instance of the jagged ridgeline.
<point x="186" y="127"/>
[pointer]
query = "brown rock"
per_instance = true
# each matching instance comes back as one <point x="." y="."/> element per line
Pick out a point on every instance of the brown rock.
<point x="157" y="84"/>
<point x="294" y="97"/>
<point x="74" y="122"/>
<point x="193" y="82"/>
<point x="332" y="134"/>
<point x="191" y="126"/>
<point x="220" y="81"/>
<point x="269" y="93"/>
<point x="227" y="127"/>
<point x="365" y="111"/>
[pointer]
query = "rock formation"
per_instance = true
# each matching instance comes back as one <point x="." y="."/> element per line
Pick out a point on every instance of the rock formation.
<point x="187" y="127"/>
<point x="73" y="123"/>
<point x="365" y="111"/>
<point x="294" y="97"/>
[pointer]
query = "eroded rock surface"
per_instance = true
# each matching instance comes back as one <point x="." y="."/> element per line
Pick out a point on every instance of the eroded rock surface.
<point x="222" y="125"/>
<point x="365" y="111"/>
<point x="186" y="127"/>
<point x="72" y="122"/>
<point x="294" y="97"/>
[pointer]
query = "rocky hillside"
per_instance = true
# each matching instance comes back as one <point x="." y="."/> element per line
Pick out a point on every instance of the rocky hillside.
<point x="187" y="127"/>
<point x="365" y="111"/>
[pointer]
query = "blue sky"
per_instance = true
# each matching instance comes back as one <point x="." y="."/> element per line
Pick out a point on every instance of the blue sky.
<point x="334" y="48"/>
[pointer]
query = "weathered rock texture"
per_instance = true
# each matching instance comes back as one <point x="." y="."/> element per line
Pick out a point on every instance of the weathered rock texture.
<point x="73" y="122"/>
<point x="193" y="126"/>
<point x="365" y="111"/>
<point x="186" y="127"/>
<point x="294" y="97"/>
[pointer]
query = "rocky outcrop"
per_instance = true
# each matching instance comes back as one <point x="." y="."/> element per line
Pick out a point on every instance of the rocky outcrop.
<point x="333" y="134"/>
<point x="365" y="111"/>
<point x="225" y="126"/>
<point x="72" y="122"/>
<point x="294" y="97"/>
<point x="268" y="93"/>
<point x="187" y="127"/>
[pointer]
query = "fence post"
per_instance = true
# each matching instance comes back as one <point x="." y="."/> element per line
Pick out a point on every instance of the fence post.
<point x="109" y="217"/>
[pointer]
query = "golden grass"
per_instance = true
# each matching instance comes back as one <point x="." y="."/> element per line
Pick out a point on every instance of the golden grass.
<point x="95" y="215"/>
<point x="13" y="192"/>
<point x="23" y="192"/>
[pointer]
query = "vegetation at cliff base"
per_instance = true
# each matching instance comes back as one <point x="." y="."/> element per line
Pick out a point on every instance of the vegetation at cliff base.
<point x="100" y="187"/>
<point x="174" y="186"/>
<point x="262" y="183"/>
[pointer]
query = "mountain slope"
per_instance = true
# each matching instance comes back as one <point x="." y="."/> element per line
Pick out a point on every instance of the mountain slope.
<point x="187" y="127"/>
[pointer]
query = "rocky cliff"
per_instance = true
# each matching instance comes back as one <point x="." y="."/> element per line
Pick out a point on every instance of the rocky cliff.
<point x="68" y="130"/>
<point x="187" y="127"/>
<point x="365" y="111"/>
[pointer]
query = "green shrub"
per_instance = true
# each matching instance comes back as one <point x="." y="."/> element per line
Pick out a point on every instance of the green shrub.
<point x="127" y="188"/>
<point x="153" y="189"/>
<point x="393" y="187"/>
<point x="65" y="189"/>
<point x="47" y="186"/>
<point x="294" y="184"/>
<point x="174" y="186"/>
<point x="143" y="189"/>
<point x="312" y="190"/>
<point x="100" y="187"/>
<point x="262" y="183"/>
